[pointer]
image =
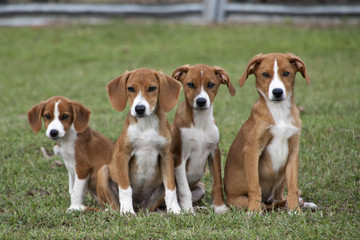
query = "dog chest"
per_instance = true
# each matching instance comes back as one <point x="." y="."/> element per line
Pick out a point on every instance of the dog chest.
<point x="197" y="145"/>
<point x="146" y="145"/>
<point x="67" y="149"/>
<point x="278" y="148"/>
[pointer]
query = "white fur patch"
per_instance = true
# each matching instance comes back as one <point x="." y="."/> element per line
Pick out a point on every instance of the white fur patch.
<point x="146" y="142"/>
<point x="171" y="202"/>
<point x="281" y="131"/>
<point x="276" y="83"/>
<point x="220" y="209"/>
<point x="67" y="153"/>
<point x="184" y="193"/>
<point x="202" y="94"/>
<point x="56" y="123"/>
<point x="278" y="148"/>
<point x="125" y="199"/>
<point x="310" y="205"/>
<point x="198" y="143"/>
<point x="78" y="193"/>
<point x="140" y="100"/>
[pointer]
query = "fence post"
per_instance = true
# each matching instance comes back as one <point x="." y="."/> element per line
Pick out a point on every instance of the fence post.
<point x="221" y="9"/>
<point x="214" y="10"/>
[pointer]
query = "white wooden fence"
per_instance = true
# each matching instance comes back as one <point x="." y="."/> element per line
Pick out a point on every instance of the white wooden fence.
<point x="208" y="11"/>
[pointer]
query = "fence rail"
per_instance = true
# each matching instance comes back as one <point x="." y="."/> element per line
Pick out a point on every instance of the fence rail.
<point x="207" y="11"/>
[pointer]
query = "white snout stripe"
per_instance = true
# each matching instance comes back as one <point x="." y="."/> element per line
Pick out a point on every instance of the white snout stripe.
<point x="202" y="94"/>
<point x="276" y="83"/>
<point x="55" y="123"/>
<point x="140" y="100"/>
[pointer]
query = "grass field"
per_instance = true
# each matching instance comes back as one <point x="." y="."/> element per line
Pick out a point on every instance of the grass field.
<point x="78" y="62"/>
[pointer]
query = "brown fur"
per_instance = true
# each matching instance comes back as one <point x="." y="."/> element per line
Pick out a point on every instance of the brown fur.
<point x="249" y="175"/>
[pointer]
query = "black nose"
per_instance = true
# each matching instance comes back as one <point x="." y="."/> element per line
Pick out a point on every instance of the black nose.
<point x="140" y="109"/>
<point x="277" y="92"/>
<point x="54" y="133"/>
<point x="201" y="102"/>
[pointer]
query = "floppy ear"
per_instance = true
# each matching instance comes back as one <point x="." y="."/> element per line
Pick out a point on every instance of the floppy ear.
<point x="180" y="72"/>
<point x="225" y="79"/>
<point x="250" y="69"/>
<point x="169" y="91"/>
<point x="117" y="91"/>
<point x="300" y="65"/>
<point x="81" y="116"/>
<point x="34" y="117"/>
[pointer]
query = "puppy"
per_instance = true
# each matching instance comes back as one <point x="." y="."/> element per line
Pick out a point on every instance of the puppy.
<point x="196" y="136"/>
<point x="82" y="149"/>
<point x="142" y="165"/>
<point x="264" y="156"/>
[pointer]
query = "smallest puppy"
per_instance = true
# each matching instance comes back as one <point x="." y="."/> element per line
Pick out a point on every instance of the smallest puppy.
<point x="82" y="149"/>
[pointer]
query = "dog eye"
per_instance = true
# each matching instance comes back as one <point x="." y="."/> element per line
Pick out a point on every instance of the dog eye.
<point x="131" y="89"/>
<point x="64" y="117"/>
<point x="265" y="74"/>
<point x="190" y="84"/>
<point x="47" y="116"/>
<point x="151" y="89"/>
<point x="286" y="73"/>
<point x="210" y="85"/>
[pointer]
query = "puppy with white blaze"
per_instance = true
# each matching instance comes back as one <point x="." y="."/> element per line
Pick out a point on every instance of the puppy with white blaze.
<point x="83" y="150"/>
<point x="196" y="136"/>
<point x="142" y="165"/>
<point x="264" y="157"/>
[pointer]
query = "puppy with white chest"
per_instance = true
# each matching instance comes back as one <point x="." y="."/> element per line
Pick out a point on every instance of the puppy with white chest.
<point x="142" y="165"/>
<point x="196" y="136"/>
<point x="82" y="149"/>
<point x="264" y="156"/>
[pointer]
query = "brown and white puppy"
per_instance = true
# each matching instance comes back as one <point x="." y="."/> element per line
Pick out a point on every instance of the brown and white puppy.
<point x="82" y="149"/>
<point x="142" y="164"/>
<point x="264" y="156"/>
<point x="196" y="136"/>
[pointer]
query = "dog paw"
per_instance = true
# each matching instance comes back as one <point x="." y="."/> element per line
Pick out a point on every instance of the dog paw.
<point x="220" y="209"/>
<point x="174" y="209"/>
<point x="124" y="211"/>
<point x="76" y="208"/>
<point x="309" y="205"/>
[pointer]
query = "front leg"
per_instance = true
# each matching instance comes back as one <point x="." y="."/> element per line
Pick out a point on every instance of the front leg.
<point x="78" y="193"/>
<point x="167" y="172"/>
<point x="291" y="173"/>
<point x="125" y="190"/>
<point x="71" y="181"/>
<point x="251" y="165"/>
<point x="217" y="190"/>
<point x="184" y="191"/>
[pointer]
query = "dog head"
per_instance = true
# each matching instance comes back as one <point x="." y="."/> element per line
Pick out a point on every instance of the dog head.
<point x="145" y="89"/>
<point x="201" y="83"/>
<point x="58" y="114"/>
<point x="275" y="74"/>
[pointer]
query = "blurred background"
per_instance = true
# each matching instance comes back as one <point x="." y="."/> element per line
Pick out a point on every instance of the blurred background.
<point x="37" y="12"/>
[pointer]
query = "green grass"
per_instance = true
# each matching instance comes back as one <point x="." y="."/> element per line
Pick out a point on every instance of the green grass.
<point x="78" y="62"/>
